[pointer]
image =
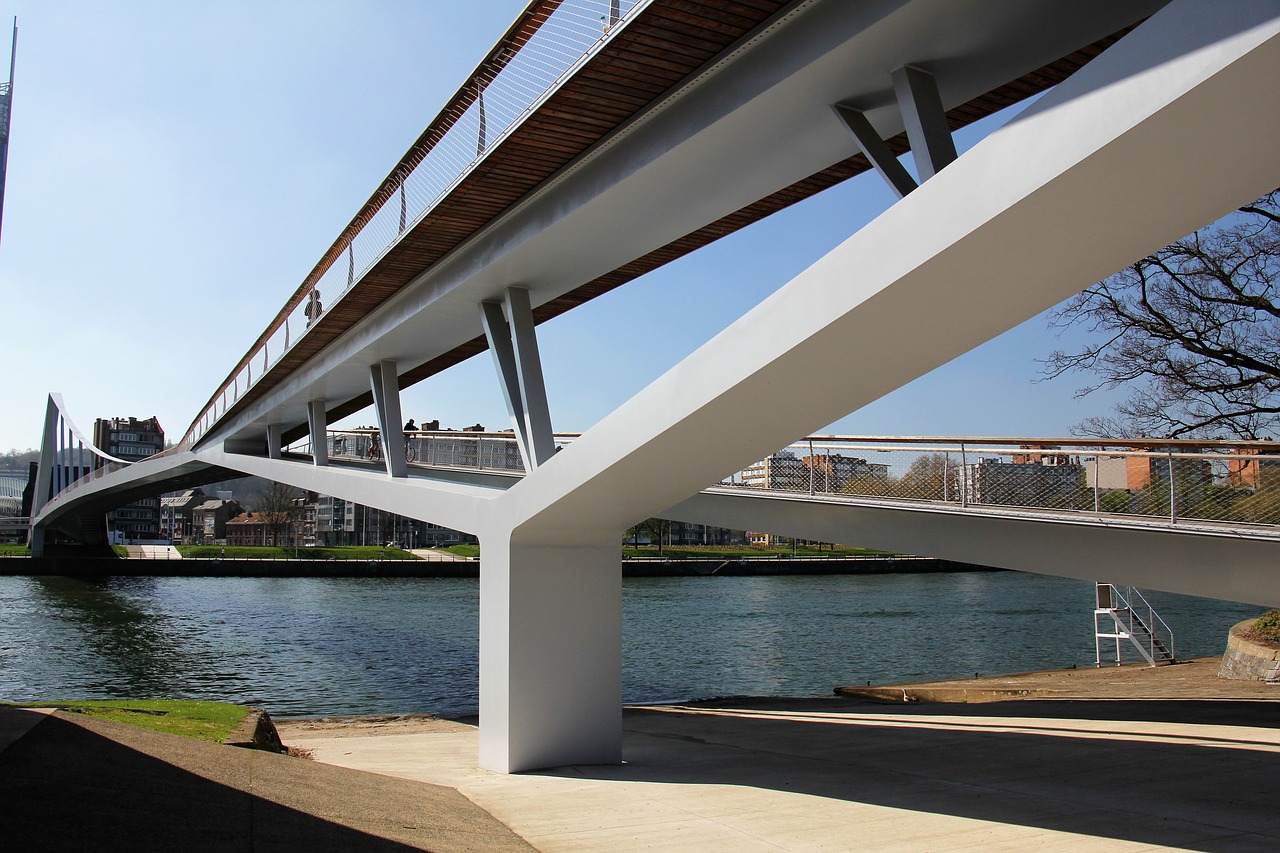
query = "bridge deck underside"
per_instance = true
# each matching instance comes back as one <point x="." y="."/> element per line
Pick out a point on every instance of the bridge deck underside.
<point x="663" y="47"/>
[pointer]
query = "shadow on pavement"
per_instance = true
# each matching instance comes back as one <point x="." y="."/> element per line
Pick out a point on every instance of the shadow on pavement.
<point x="1133" y="770"/>
<point x="74" y="783"/>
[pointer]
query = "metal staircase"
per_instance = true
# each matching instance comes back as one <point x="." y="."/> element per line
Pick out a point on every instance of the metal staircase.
<point x="1129" y="616"/>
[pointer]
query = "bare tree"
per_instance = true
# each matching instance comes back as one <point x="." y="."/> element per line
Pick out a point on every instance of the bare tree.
<point x="658" y="528"/>
<point x="280" y="508"/>
<point x="1194" y="327"/>
<point x="928" y="478"/>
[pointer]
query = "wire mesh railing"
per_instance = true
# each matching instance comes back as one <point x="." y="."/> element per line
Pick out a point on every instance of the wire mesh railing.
<point x="510" y="85"/>
<point x="493" y="452"/>
<point x="1171" y="481"/>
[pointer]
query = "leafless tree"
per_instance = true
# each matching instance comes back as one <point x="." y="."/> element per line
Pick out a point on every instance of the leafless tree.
<point x="280" y="508"/>
<point x="1194" y="329"/>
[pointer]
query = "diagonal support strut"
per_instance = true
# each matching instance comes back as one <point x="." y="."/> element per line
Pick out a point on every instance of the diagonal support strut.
<point x="514" y="345"/>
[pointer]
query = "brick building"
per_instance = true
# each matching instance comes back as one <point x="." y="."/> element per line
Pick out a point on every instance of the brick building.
<point x="132" y="440"/>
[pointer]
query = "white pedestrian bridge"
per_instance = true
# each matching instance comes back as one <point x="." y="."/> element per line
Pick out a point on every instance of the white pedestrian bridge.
<point x="598" y="141"/>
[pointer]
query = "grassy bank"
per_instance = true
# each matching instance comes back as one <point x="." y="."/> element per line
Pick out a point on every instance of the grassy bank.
<point x="211" y="721"/>
<point x="747" y="553"/>
<point x="371" y="552"/>
<point x="270" y="552"/>
<point x="698" y="552"/>
<point x="711" y="553"/>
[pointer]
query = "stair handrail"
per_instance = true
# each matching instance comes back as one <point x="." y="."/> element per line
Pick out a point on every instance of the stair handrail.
<point x="1135" y="593"/>
<point x="1123" y="608"/>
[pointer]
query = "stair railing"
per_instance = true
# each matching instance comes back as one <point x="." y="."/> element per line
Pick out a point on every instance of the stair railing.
<point x="1124" y="610"/>
<point x="1138" y="600"/>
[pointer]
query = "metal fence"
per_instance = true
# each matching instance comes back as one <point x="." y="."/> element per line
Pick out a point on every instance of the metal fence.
<point x="485" y="451"/>
<point x="509" y="87"/>
<point x="1173" y="481"/>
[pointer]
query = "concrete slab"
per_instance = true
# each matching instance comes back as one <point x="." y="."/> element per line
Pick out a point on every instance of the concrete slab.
<point x="832" y="774"/>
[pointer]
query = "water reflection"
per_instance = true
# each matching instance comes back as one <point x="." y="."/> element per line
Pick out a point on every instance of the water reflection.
<point x="92" y="630"/>
<point x="344" y="646"/>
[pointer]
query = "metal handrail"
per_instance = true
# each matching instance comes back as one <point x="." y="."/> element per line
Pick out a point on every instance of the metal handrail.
<point x="1152" y="619"/>
<point x="1183" y="483"/>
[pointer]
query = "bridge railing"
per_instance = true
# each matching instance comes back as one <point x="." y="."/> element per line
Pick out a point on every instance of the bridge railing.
<point x="507" y="87"/>
<point x="496" y="452"/>
<point x="1175" y="482"/>
<point x="1172" y="481"/>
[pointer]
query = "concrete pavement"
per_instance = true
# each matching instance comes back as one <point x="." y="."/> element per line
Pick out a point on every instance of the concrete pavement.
<point x="1106" y="774"/>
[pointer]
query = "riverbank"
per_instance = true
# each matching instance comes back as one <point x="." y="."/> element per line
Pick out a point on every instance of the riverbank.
<point x="1191" y="679"/>
<point x="462" y="567"/>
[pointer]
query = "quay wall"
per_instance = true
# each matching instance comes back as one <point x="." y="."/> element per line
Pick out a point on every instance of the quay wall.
<point x="645" y="567"/>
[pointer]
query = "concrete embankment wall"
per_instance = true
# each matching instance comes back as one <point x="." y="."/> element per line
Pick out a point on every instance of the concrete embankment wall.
<point x="80" y="567"/>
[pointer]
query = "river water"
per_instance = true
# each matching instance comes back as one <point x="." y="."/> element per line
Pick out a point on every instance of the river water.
<point x="303" y="646"/>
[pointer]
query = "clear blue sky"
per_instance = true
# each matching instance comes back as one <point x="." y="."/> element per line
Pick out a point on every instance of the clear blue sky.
<point x="177" y="168"/>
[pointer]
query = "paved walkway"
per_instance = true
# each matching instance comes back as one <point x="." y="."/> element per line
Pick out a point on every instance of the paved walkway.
<point x="439" y="555"/>
<point x="834" y="774"/>
<point x="152" y="552"/>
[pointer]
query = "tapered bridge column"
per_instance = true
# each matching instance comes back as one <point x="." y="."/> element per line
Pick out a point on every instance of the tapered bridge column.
<point x="386" y="402"/>
<point x="514" y="345"/>
<point x="932" y="147"/>
<point x="550" y="652"/>
<point x="318" y="427"/>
